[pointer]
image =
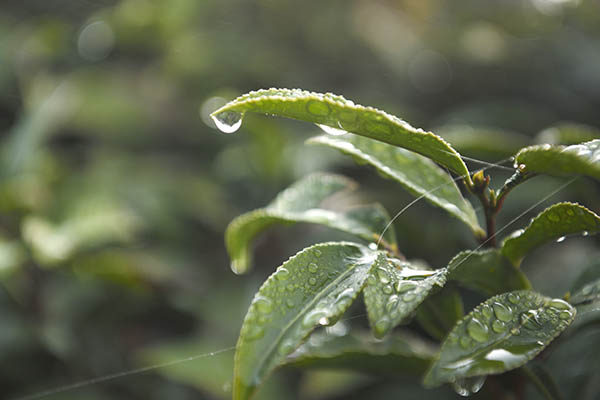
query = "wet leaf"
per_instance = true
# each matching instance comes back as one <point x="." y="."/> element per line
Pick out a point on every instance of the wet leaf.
<point x="399" y="353"/>
<point x="578" y="159"/>
<point x="395" y="289"/>
<point x="332" y="111"/>
<point x="301" y="202"/>
<point x="486" y="271"/>
<point x="553" y="223"/>
<point x="440" y="312"/>
<point x="568" y="133"/>
<point x="419" y="175"/>
<point x="312" y="288"/>
<point x="501" y="334"/>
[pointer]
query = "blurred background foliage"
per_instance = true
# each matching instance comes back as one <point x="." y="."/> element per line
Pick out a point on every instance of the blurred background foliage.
<point x="115" y="188"/>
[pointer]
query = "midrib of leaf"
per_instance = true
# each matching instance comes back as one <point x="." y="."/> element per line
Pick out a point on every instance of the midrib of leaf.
<point x="297" y="317"/>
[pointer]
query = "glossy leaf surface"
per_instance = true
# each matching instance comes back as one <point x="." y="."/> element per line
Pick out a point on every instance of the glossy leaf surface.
<point x="395" y="289"/>
<point x="342" y="115"/>
<point x="553" y="223"/>
<point x="578" y="159"/>
<point x="312" y="288"/>
<point x="301" y="202"/>
<point x="418" y="174"/>
<point x="486" y="271"/>
<point x="398" y="353"/>
<point x="500" y="334"/>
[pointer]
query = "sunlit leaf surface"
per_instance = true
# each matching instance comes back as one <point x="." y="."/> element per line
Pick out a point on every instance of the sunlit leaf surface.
<point x="312" y="288"/>
<point x="338" y="115"/>
<point x="501" y="334"/>
<point x="553" y="223"/>
<point x="419" y="175"/>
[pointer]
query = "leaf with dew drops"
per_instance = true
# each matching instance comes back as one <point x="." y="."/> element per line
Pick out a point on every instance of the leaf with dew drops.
<point x="487" y="271"/>
<point x="577" y="159"/>
<point x="418" y="174"/>
<point x="501" y="334"/>
<point x="399" y="353"/>
<point x="312" y="288"/>
<point x="333" y="111"/>
<point x="302" y="202"/>
<point x="395" y="289"/>
<point x="553" y="223"/>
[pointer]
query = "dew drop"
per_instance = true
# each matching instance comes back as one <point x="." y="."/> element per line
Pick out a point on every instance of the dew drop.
<point x="318" y="253"/>
<point x="498" y="326"/>
<point x="478" y="330"/>
<point x="371" y="280"/>
<point x="263" y="305"/>
<point x="503" y="312"/>
<point x="585" y="233"/>
<point x="312" y="280"/>
<point x="323" y="321"/>
<point x="565" y="315"/>
<point x="486" y="311"/>
<point x="384" y="277"/>
<point x="382" y="326"/>
<point x="559" y="304"/>
<point x="282" y="275"/>
<point x="387" y="289"/>
<point x="332" y="131"/>
<point x="289" y="303"/>
<point x="314" y="317"/>
<point x="530" y="321"/>
<point x="392" y="303"/>
<point x="228" y="121"/>
<point x="514" y="298"/>
<point x="409" y="296"/>
<point x="253" y="332"/>
<point x="561" y="239"/>
<point x="312" y="268"/>
<point x="468" y="386"/>
<point x="554" y="217"/>
<point x="405" y="286"/>
<point x="373" y="246"/>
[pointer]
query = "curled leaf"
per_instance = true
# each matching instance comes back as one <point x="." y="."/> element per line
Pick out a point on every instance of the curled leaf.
<point x="338" y="115"/>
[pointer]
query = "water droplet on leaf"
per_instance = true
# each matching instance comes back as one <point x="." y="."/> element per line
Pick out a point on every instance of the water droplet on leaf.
<point x="468" y="386"/>
<point x="503" y="312"/>
<point x="313" y="268"/>
<point x="561" y="239"/>
<point x="228" y="121"/>
<point x="478" y="330"/>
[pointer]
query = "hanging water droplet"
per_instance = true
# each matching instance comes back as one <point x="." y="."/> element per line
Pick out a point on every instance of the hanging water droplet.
<point x="332" y="131"/>
<point x="312" y="268"/>
<point x="468" y="386"/>
<point x="478" y="330"/>
<point x="228" y="121"/>
<point x="503" y="312"/>
<point x="313" y="317"/>
<point x="373" y="246"/>
<point x="585" y="233"/>
<point x="323" y="321"/>
<point x="561" y="239"/>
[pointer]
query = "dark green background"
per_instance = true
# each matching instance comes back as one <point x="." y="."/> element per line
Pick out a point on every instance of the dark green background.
<point x="115" y="187"/>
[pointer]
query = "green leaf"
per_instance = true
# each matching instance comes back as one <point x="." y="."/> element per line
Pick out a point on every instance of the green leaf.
<point x="301" y="202"/>
<point x="579" y="159"/>
<point x="487" y="271"/>
<point x="589" y="293"/>
<point x="312" y="288"/>
<point x="400" y="353"/>
<point x="568" y="133"/>
<point x="501" y="334"/>
<point x="440" y="312"/>
<point x="553" y="223"/>
<point x="395" y="289"/>
<point x="419" y="175"/>
<point x="342" y="115"/>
